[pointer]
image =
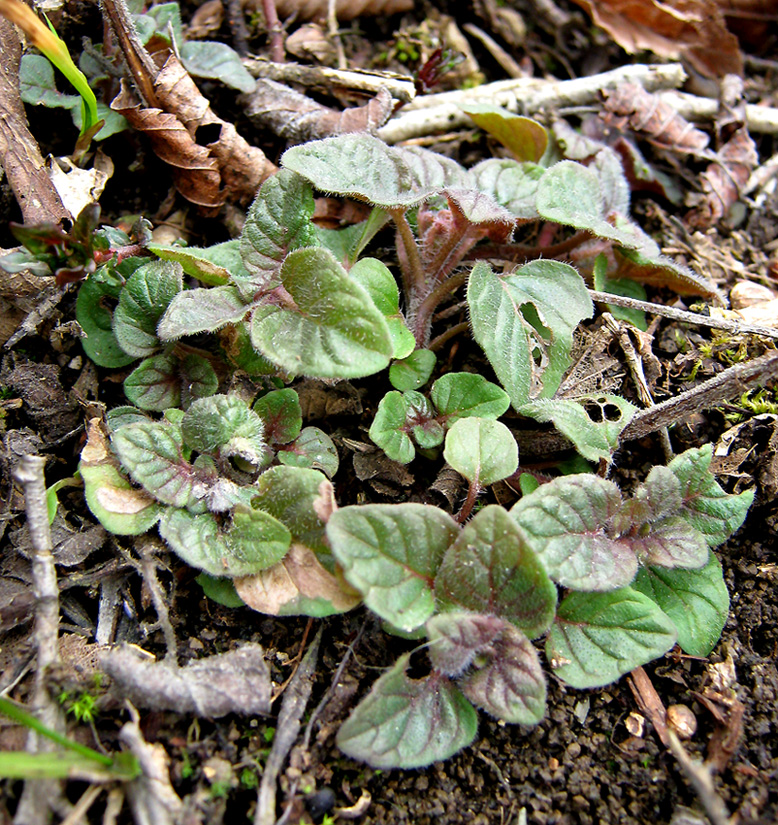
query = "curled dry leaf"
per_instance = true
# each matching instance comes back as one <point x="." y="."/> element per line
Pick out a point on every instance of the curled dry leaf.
<point x="234" y="682"/>
<point x="225" y="168"/>
<point x="654" y="119"/>
<point x="692" y="29"/>
<point x="296" y="117"/>
<point x="344" y="9"/>
<point x="725" y="178"/>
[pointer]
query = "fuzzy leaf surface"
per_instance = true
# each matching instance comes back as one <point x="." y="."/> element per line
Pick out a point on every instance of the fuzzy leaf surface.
<point x="252" y="541"/>
<point x="96" y="319"/>
<point x="697" y="602"/>
<point x="281" y="414"/>
<point x="155" y="384"/>
<point x="363" y="167"/>
<point x="593" y="423"/>
<point x="490" y="569"/>
<point x="213" y="265"/>
<point x="391" y="554"/>
<point x="142" y="302"/>
<point x="336" y="330"/>
<point x="524" y="323"/>
<point x="456" y="638"/>
<point x="202" y="310"/>
<point x="513" y="185"/>
<point x="312" y="449"/>
<point x="464" y="394"/>
<point x="216" y="61"/>
<point x="277" y="222"/>
<point x="708" y="508"/>
<point x="566" y="522"/>
<point x="598" y="637"/>
<point x="224" y="423"/>
<point x="408" y="723"/>
<point x="482" y="450"/>
<point x="510" y="684"/>
<point x="412" y="372"/>
<point x="388" y="429"/>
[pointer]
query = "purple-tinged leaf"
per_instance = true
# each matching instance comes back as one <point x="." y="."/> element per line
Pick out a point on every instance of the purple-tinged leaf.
<point x="251" y="541"/>
<point x="391" y="554"/>
<point x="155" y="384"/>
<point x="697" y="601"/>
<point x="708" y="508"/>
<point x="490" y="569"/>
<point x="312" y="449"/>
<point x="281" y="414"/>
<point x="598" y="637"/>
<point x="456" y="639"/>
<point x="480" y="209"/>
<point x="363" y="167"/>
<point x="224" y="423"/>
<point x="202" y="310"/>
<point x="408" y="723"/>
<point x="510" y="685"/>
<point x="569" y="524"/>
<point x="198" y="379"/>
<point x="277" y="222"/>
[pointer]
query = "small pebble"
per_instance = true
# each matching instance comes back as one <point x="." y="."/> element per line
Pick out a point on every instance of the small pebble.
<point x="682" y="720"/>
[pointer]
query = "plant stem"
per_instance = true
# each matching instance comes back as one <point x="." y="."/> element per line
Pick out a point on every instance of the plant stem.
<point x="413" y="279"/>
<point x="450" y="333"/>
<point x="423" y="316"/>
<point x="520" y="252"/>
<point x="274" y="31"/>
<point x="467" y="507"/>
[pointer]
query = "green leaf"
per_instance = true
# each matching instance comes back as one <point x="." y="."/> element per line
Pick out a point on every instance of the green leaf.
<point x="224" y="423"/>
<point x="38" y="87"/>
<point x="277" y="222"/>
<point x="571" y="194"/>
<point x="121" y="508"/>
<point x="511" y="184"/>
<point x="391" y="554"/>
<point x="296" y="497"/>
<point x="526" y="139"/>
<point x="490" y="569"/>
<point x="142" y="302"/>
<point x="336" y="330"/>
<point x="216" y="61"/>
<point x="214" y="265"/>
<point x="155" y="384"/>
<point x="465" y="394"/>
<point x="281" y="414"/>
<point x="380" y="285"/>
<point x="313" y="449"/>
<point x="252" y="541"/>
<point x="623" y="287"/>
<point x="412" y="372"/>
<point x="96" y="319"/>
<point x="593" y="423"/>
<point x="408" y="723"/>
<point x="567" y="522"/>
<point x="651" y="268"/>
<point x="457" y="638"/>
<point x="202" y="310"/>
<point x="113" y="122"/>
<point x="198" y="379"/>
<point x="696" y="601"/>
<point x="598" y="637"/>
<point x="363" y="167"/>
<point x="524" y="323"/>
<point x="222" y="591"/>
<point x="482" y="450"/>
<point x="715" y="513"/>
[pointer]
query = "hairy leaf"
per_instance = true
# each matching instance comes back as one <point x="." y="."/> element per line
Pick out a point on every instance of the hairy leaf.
<point x="593" y="423"/>
<point x="697" y="601"/>
<point x="142" y="302"/>
<point x="202" y="310"/>
<point x="389" y="430"/>
<point x="312" y="449"/>
<point x="598" y="637"/>
<point x="482" y="450"/>
<point x="252" y="541"/>
<point x="216" y="61"/>
<point x="524" y="322"/>
<point x="96" y="320"/>
<point x="490" y="569"/>
<point x="363" y="167"/>
<point x="412" y="372"/>
<point x="224" y="423"/>
<point x="391" y="554"/>
<point x="155" y="384"/>
<point x="281" y="414"/>
<point x="277" y="222"/>
<point x="214" y="265"/>
<point x="336" y="330"/>
<point x="464" y="394"/>
<point x="513" y="185"/>
<point x="408" y="723"/>
<point x="456" y="638"/>
<point x="567" y="523"/>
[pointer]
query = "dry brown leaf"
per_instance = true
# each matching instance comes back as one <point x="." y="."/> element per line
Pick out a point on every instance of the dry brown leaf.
<point x="690" y="29"/>
<point x="344" y="9"/>
<point x="655" y="120"/>
<point x="296" y="117"/>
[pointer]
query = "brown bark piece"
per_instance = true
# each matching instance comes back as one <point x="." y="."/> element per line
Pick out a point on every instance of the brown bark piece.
<point x="691" y="29"/>
<point x="654" y="119"/>
<point x="19" y="153"/>
<point x="344" y="9"/>
<point x="294" y="116"/>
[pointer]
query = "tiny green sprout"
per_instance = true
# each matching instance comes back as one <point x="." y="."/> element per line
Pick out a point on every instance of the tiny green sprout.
<point x="268" y="734"/>
<point x="220" y="789"/>
<point x="328" y="819"/>
<point x="249" y="779"/>
<point x="754" y="402"/>
<point x="83" y="707"/>
<point x="187" y="769"/>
